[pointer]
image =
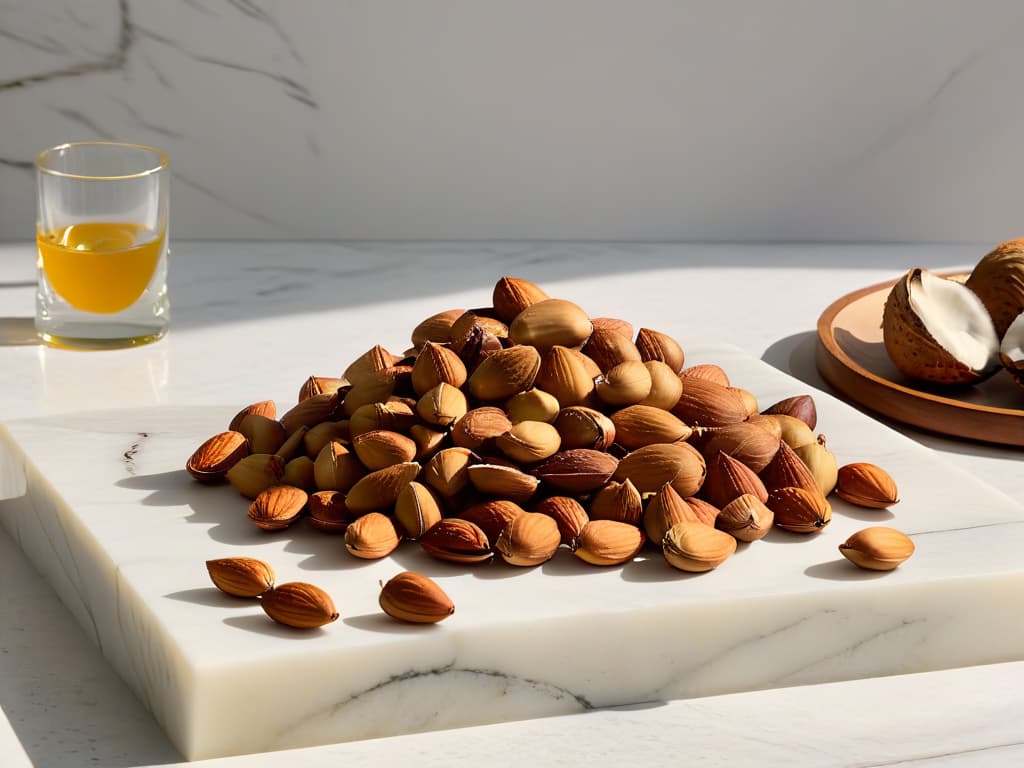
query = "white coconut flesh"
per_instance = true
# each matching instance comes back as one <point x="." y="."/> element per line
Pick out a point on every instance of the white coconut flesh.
<point x="1013" y="340"/>
<point x="956" y="319"/>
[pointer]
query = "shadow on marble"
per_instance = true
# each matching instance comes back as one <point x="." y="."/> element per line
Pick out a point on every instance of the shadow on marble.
<point x="841" y="570"/>
<point x="18" y="332"/>
<point x="652" y="570"/>
<point x="864" y="514"/>
<point x="260" y="624"/>
<point x="210" y="597"/>
<point x="379" y="622"/>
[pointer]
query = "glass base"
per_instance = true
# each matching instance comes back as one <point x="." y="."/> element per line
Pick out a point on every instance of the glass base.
<point x="101" y="336"/>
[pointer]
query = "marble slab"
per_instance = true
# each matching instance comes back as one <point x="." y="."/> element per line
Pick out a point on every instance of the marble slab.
<point x="124" y="540"/>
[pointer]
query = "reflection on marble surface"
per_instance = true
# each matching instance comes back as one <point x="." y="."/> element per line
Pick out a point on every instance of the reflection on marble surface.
<point x="455" y="119"/>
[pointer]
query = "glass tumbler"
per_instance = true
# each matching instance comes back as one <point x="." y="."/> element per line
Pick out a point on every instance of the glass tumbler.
<point x="101" y="240"/>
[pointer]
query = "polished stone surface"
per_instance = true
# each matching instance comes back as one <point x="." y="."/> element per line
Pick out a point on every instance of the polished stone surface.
<point x="175" y="389"/>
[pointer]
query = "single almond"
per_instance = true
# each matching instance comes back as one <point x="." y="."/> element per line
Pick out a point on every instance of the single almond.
<point x="380" y="448"/>
<point x="492" y="516"/>
<point x="315" y="438"/>
<point x="312" y="411"/>
<point x="640" y="425"/>
<point x="262" y="408"/>
<point x="277" y="507"/>
<point x="369" y="364"/>
<point x="336" y="468"/>
<point x="787" y="470"/>
<point x="651" y="466"/>
<point x="417" y="509"/>
<point x="582" y="427"/>
<point x="212" y="460"/>
<point x="877" y="548"/>
<point x="706" y="404"/>
<point x="504" y="374"/>
<point x="415" y="598"/>
<point x="551" y="322"/>
<point x="457" y="541"/>
<point x="799" y="407"/>
<point x="435" y="365"/>
<point x="532" y="405"/>
<point x="300" y="472"/>
<point x="241" y="576"/>
<point x="512" y="295"/>
<point x="321" y="385"/>
<point x="608" y="348"/>
<point x="654" y="345"/>
<point x="529" y="442"/>
<point x="578" y="470"/>
<point x="568" y="375"/>
<point x="264" y="435"/>
<point x="618" y="501"/>
<point x="866" y="485"/>
<point x="608" y="542"/>
<point x="379" y="490"/>
<point x="328" y="513"/>
<point x="503" y="482"/>
<point x="627" y="383"/>
<point x="696" y="548"/>
<point x="529" y="539"/>
<point x="372" y="536"/>
<point x="442" y="406"/>
<point x="666" y="386"/>
<point x="746" y="518"/>
<point x="752" y="442"/>
<point x="707" y="371"/>
<point x="665" y="509"/>
<point x="800" y="510"/>
<point x="435" y="328"/>
<point x="447" y="471"/>
<point x="300" y="605"/>
<point x="480" y="427"/>
<point x="395" y="416"/>
<point x="729" y="478"/>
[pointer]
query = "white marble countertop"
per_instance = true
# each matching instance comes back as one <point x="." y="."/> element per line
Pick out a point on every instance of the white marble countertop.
<point x="252" y="319"/>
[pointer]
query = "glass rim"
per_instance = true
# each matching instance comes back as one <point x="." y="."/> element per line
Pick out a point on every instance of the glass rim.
<point x="42" y="166"/>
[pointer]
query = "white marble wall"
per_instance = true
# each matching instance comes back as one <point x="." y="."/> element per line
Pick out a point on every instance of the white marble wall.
<point x="603" y="119"/>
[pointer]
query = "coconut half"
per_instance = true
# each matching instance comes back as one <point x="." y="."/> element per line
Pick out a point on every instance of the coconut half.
<point x="938" y="330"/>
<point x="1011" y="351"/>
<point x="998" y="279"/>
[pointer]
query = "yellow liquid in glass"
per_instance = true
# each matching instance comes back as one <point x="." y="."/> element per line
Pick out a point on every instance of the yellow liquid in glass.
<point x="100" y="266"/>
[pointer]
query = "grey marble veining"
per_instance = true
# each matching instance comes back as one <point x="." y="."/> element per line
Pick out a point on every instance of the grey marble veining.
<point x="654" y="120"/>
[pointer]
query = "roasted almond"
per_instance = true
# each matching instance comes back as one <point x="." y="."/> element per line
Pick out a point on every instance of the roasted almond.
<point x="436" y="328"/>
<point x="457" y="541"/>
<point x="746" y="518"/>
<point x="479" y="427"/>
<point x="241" y="576"/>
<point x="529" y="442"/>
<point x="582" y="427"/>
<point x="512" y="295"/>
<point x="492" y="516"/>
<point x="696" y="548"/>
<point x="504" y="373"/>
<point x="328" y="513"/>
<point x="578" y="470"/>
<point x="446" y="472"/>
<point x="799" y="407"/>
<point x="618" y="501"/>
<point x="435" y="365"/>
<point x="336" y="468"/>
<point x="640" y="425"/>
<point x="728" y="478"/>
<point x="503" y="482"/>
<point x="551" y="322"/>
<point x="568" y="514"/>
<point x="415" y="598"/>
<point x="380" y="448"/>
<point x="417" y="509"/>
<point x="253" y="474"/>
<point x="651" y="466"/>
<point x="262" y="408"/>
<point x="800" y="510"/>
<point x="379" y="490"/>
<point x="654" y="345"/>
<point x="877" y="548"/>
<point x="300" y="605"/>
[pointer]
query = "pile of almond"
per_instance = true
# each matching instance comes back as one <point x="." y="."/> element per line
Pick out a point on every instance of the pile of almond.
<point x="528" y="425"/>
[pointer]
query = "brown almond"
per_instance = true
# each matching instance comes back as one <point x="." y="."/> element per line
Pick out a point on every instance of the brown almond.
<point x="650" y="467"/>
<point x="436" y="328"/>
<point x="395" y="416"/>
<point x="255" y="473"/>
<point x="549" y="323"/>
<point x="369" y="364"/>
<point x="618" y="501"/>
<point x="372" y="536"/>
<point x="415" y="598"/>
<point x="300" y="472"/>
<point x="787" y="470"/>
<point x="471" y="321"/>
<point x="262" y="408"/>
<point x="428" y="441"/>
<point x="373" y="388"/>
<point x="505" y="373"/>
<point x="300" y="605"/>
<point x="608" y="542"/>
<point x="625" y="384"/>
<point x="480" y="427"/>
<point x="746" y="518"/>
<point x="578" y="470"/>
<point x="706" y="404"/>
<point x="241" y="576"/>
<point x="608" y="348"/>
<point x="336" y="468"/>
<point x="707" y="371"/>
<point x="800" y="510"/>
<point x="321" y="385"/>
<point x="640" y="425"/>
<point x="503" y="482"/>
<point x="416" y="509"/>
<point x="729" y="478"/>
<point x="566" y="374"/>
<point x="792" y="430"/>
<point x="530" y="539"/>
<point x="435" y="365"/>
<point x="212" y="459"/>
<point x="750" y="442"/>
<point x="512" y="295"/>
<point x="457" y="541"/>
<point x="665" y="509"/>
<point x="866" y="485"/>
<point x="442" y="405"/>
<point x="748" y="398"/>
<point x="822" y="464"/>
<point x="264" y="435"/>
<point x="311" y="412"/>
<point x="654" y="345"/>
<point x="568" y="514"/>
<point x="277" y="507"/>
<point x="381" y="448"/>
<point x="697" y="548"/>
<point x="619" y="326"/>
<point x="446" y="472"/>
<point x="582" y="427"/>
<point x="877" y="548"/>
<point x="315" y="438"/>
<point x="529" y="442"/>
<point x="703" y="511"/>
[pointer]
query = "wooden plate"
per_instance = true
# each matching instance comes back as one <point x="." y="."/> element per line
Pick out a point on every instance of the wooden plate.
<point x="852" y="358"/>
